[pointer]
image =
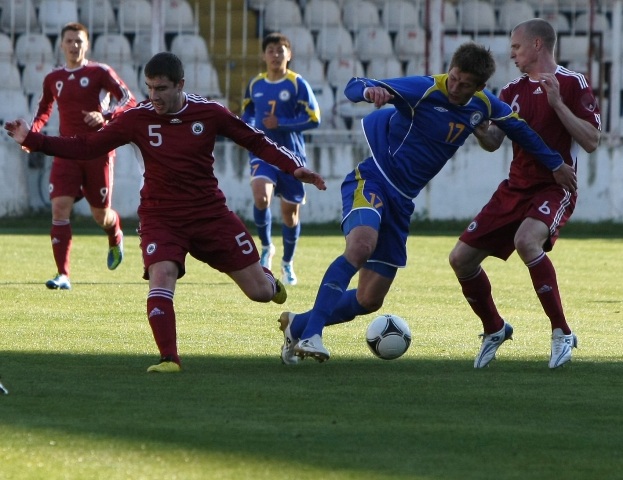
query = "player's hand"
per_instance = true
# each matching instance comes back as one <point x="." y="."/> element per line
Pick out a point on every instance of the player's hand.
<point x="550" y="84"/>
<point x="305" y="175"/>
<point x="93" y="119"/>
<point x="270" y="122"/>
<point x="566" y="178"/>
<point x="377" y="95"/>
<point x="17" y="130"/>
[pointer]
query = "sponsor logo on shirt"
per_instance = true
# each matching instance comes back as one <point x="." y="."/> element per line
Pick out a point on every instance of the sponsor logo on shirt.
<point x="538" y="91"/>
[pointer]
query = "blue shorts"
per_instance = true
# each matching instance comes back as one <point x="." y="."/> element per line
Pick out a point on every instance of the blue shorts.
<point x="287" y="187"/>
<point x="368" y="199"/>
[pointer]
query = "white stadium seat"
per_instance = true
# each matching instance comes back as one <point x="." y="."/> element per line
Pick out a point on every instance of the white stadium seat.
<point x="178" y="17"/>
<point x="202" y="78"/>
<point x="54" y="14"/>
<point x="190" y="48"/>
<point x="388" y="67"/>
<point x="10" y="77"/>
<point x="600" y="24"/>
<point x="320" y="14"/>
<point x="19" y="16"/>
<point x="310" y="68"/>
<point x="399" y="14"/>
<point x="33" y="75"/>
<point x="134" y="16"/>
<point x="142" y="49"/>
<point x="301" y="40"/>
<point x="112" y="48"/>
<point x="513" y="12"/>
<point x="14" y="105"/>
<point x="477" y="16"/>
<point x="281" y="13"/>
<point x="410" y="42"/>
<point x="373" y="42"/>
<point x="357" y="14"/>
<point x="341" y="70"/>
<point x="98" y="16"/>
<point x="33" y="47"/>
<point x="334" y="41"/>
<point x="6" y="48"/>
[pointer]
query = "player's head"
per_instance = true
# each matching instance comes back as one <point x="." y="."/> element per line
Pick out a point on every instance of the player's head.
<point x="470" y="68"/>
<point x="164" y="77"/>
<point x="74" y="43"/>
<point x="532" y="42"/>
<point x="277" y="52"/>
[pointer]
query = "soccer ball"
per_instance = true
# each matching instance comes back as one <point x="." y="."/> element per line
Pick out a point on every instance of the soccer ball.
<point x="388" y="336"/>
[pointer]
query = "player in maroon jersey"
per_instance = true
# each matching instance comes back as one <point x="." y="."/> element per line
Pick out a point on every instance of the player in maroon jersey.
<point x="82" y="91"/>
<point x="182" y="210"/>
<point x="528" y="209"/>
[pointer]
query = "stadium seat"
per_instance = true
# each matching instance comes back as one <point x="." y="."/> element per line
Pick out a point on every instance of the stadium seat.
<point x="573" y="48"/>
<point x="504" y="73"/>
<point x="450" y="16"/>
<point x="500" y="45"/>
<point x="416" y="66"/>
<point x="33" y="75"/>
<point x="33" y="47"/>
<point x="202" y="78"/>
<point x="399" y="14"/>
<point x="142" y="49"/>
<point x="476" y="16"/>
<point x="54" y="14"/>
<point x="6" y="48"/>
<point x="334" y="41"/>
<point x="513" y="12"/>
<point x="98" y="16"/>
<point x="129" y="74"/>
<point x="19" y="16"/>
<point x="373" y="42"/>
<point x="190" y="48"/>
<point x="582" y="23"/>
<point x="10" y="77"/>
<point x="326" y="100"/>
<point x="357" y="14"/>
<point x="388" y="67"/>
<point x="301" y="40"/>
<point x="310" y="68"/>
<point x="409" y="42"/>
<point x="341" y="70"/>
<point x="134" y="16"/>
<point x="320" y="14"/>
<point x="14" y="105"/>
<point x="281" y="13"/>
<point x="451" y="42"/>
<point x="559" y="21"/>
<point x="178" y="17"/>
<point x="112" y="48"/>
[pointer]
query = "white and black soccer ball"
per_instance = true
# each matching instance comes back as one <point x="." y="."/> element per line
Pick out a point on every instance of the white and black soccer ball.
<point x="388" y="336"/>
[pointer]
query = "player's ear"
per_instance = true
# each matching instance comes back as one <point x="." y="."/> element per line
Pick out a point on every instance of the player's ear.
<point x="181" y="84"/>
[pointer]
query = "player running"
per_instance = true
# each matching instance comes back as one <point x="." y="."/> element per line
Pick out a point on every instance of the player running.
<point x="182" y="210"/>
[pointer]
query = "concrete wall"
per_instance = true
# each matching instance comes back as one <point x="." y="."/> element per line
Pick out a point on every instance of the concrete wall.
<point x="458" y="192"/>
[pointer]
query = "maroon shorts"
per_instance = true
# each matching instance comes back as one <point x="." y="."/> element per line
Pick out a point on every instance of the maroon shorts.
<point x="92" y="179"/>
<point x="223" y="242"/>
<point x="494" y="228"/>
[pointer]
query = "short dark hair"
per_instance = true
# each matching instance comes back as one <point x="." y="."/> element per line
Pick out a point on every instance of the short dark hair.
<point x="165" y="64"/>
<point x="537" y="27"/>
<point x="74" y="27"/>
<point x="474" y="59"/>
<point x="275" y="37"/>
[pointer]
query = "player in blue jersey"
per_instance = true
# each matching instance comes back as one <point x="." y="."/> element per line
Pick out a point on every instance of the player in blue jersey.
<point x="282" y="104"/>
<point x="431" y="118"/>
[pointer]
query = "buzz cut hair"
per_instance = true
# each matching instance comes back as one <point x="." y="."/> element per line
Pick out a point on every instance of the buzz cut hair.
<point x="539" y="28"/>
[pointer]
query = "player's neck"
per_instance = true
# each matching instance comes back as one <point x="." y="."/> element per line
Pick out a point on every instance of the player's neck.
<point x="70" y="65"/>
<point x="275" y="75"/>
<point x="545" y="66"/>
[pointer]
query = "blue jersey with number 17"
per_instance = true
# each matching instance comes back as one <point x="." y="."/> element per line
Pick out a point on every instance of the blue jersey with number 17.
<point x="412" y="142"/>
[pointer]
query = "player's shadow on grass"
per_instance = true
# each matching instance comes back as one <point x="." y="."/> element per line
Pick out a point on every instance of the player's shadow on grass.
<point x="352" y="414"/>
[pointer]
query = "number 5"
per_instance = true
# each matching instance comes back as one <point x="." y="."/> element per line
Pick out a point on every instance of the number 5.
<point x="246" y="244"/>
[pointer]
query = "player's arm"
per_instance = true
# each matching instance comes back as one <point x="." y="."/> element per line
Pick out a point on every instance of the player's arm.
<point x="44" y="110"/>
<point x="361" y="89"/>
<point x="255" y="141"/>
<point x="88" y="146"/>
<point x="121" y="93"/>
<point x="489" y="136"/>
<point x="582" y="131"/>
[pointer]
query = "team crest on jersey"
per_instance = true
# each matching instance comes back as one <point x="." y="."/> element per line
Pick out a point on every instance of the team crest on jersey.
<point x="84" y="82"/>
<point x="197" y="128"/>
<point x="476" y="118"/>
<point x="472" y="226"/>
<point x="284" y="95"/>
<point x="151" y="248"/>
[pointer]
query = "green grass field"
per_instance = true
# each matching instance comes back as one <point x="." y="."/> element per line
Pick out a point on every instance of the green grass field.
<point x="82" y="407"/>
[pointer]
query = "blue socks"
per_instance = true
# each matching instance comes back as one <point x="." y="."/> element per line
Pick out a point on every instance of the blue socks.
<point x="263" y="221"/>
<point x="290" y="237"/>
